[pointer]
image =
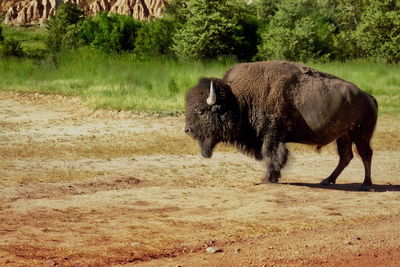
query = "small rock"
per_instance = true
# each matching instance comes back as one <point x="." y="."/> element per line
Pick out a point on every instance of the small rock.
<point x="214" y="250"/>
<point x="50" y="263"/>
<point x="135" y="244"/>
<point x="238" y="250"/>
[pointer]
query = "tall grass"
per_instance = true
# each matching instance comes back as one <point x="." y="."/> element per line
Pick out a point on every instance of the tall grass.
<point x="115" y="81"/>
<point x="121" y="81"/>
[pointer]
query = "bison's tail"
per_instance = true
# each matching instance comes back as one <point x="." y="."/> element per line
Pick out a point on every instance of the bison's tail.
<point x="376" y="102"/>
<point x="375" y="112"/>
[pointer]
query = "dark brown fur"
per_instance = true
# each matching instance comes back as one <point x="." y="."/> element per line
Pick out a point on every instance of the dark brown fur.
<point x="263" y="105"/>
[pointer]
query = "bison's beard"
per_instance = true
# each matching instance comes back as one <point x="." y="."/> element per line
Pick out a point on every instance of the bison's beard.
<point x="207" y="147"/>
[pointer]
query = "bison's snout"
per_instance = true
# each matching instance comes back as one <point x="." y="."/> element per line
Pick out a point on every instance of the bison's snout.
<point x="207" y="147"/>
<point x="188" y="130"/>
<point x="206" y="152"/>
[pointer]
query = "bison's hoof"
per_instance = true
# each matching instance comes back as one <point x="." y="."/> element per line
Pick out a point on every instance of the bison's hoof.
<point x="366" y="187"/>
<point x="266" y="181"/>
<point x="326" y="182"/>
<point x="273" y="180"/>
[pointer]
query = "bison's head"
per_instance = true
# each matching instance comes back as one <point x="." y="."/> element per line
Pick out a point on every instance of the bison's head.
<point x="211" y="114"/>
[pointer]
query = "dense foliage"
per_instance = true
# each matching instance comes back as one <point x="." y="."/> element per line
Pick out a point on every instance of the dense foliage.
<point x="213" y="28"/>
<point x="378" y="34"/>
<point x="297" y="30"/>
<point x="11" y="48"/>
<point x="110" y="33"/>
<point x="155" y="38"/>
<point x="64" y="27"/>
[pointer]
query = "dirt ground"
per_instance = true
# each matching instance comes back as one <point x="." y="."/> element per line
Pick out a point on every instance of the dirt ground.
<point x="81" y="187"/>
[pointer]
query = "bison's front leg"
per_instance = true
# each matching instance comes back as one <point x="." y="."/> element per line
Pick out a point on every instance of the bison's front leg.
<point x="275" y="155"/>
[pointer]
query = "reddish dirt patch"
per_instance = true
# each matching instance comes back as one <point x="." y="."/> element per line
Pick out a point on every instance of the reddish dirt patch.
<point x="79" y="187"/>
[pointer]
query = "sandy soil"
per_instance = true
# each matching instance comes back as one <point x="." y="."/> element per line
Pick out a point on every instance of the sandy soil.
<point x="82" y="187"/>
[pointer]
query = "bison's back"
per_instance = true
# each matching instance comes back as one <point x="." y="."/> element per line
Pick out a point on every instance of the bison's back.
<point x="318" y="106"/>
<point x="263" y="85"/>
<point x="330" y="106"/>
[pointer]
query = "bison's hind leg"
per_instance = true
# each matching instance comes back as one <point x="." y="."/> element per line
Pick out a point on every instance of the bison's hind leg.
<point x="365" y="151"/>
<point x="362" y="138"/>
<point x="344" y="144"/>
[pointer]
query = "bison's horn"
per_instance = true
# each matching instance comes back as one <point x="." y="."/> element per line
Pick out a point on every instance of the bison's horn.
<point x="213" y="97"/>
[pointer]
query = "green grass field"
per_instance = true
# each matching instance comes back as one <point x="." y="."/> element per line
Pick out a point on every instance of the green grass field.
<point x="121" y="81"/>
<point x="115" y="81"/>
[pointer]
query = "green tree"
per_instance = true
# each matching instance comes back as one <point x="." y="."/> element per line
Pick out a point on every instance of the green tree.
<point x="300" y="30"/>
<point x="212" y="29"/>
<point x="154" y="38"/>
<point x="378" y="34"/>
<point x="245" y="37"/>
<point x="110" y="32"/>
<point x="347" y="17"/>
<point x="64" y="27"/>
<point x="266" y="9"/>
<point x="177" y="10"/>
<point x="348" y="13"/>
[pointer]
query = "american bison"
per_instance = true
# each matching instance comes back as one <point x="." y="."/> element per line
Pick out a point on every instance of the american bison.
<point x="261" y="106"/>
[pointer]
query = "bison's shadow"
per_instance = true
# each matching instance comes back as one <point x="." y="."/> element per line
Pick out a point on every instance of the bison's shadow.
<point x="350" y="187"/>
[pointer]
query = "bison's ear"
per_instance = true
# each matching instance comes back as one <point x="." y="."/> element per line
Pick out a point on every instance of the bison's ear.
<point x="212" y="97"/>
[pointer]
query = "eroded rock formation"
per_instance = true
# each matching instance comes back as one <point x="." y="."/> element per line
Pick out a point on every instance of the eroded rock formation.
<point x="38" y="11"/>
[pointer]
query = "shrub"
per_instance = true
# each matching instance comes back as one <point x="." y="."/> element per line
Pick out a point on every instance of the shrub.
<point x="300" y="30"/>
<point x="64" y="27"/>
<point x="245" y="37"/>
<point x="177" y="10"/>
<point x="266" y="9"/>
<point x="110" y="32"/>
<point x="212" y="29"/>
<point x="347" y="17"/>
<point x="378" y="34"/>
<point x="154" y="38"/>
<point x="11" y="48"/>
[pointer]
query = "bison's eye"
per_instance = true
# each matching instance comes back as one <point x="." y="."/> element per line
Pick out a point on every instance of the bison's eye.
<point x="200" y="111"/>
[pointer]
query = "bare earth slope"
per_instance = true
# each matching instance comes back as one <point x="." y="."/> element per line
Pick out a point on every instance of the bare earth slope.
<point x="22" y="12"/>
<point x="79" y="187"/>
